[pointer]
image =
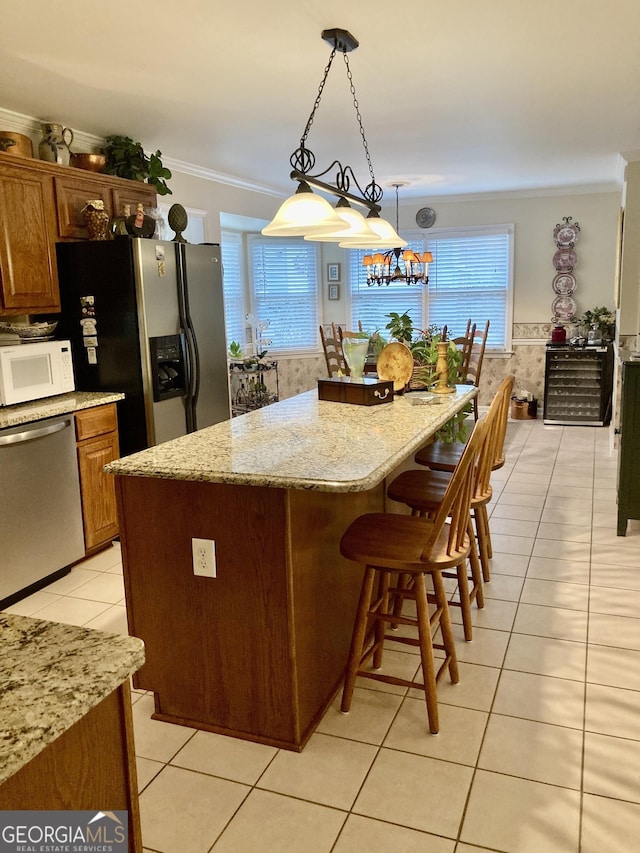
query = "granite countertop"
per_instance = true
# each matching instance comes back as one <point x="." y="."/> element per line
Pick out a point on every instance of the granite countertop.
<point x="301" y="443"/>
<point x="49" y="407"/>
<point x="50" y="676"/>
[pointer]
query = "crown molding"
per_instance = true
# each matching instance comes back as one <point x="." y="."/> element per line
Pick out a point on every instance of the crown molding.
<point x="574" y="189"/>
<point x="219" y="177"/>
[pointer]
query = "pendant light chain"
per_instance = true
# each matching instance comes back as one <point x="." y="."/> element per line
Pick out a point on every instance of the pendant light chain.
<point x="359" y="117"/>
<point x="318" y="98"/>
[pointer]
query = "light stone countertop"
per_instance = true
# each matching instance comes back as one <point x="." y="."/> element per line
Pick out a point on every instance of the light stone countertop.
<point x="51" y="675"/>
<point x="49" y="407"/>
<point x="301" y="443"/>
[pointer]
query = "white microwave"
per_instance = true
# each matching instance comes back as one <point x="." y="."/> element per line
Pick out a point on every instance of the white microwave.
<point x="31" y="371"/>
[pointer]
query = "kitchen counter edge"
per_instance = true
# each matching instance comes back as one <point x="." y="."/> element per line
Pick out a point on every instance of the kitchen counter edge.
<point x="50" y="407"/>
<point x="51" y="675"/>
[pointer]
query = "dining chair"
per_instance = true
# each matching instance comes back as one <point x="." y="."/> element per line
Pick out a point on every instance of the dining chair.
<point x="392" y="546"/>
<point x="333" y="355"/>
<point x="465" y="345"/>
<point x="476" y="357"/>
<point x="442" y="459"/>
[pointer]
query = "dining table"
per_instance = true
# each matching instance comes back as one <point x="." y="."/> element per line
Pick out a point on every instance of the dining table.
<point x="257" y="651"/>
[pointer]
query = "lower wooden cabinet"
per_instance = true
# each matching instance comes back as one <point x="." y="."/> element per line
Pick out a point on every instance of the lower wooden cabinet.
<point x="97" y="444"/>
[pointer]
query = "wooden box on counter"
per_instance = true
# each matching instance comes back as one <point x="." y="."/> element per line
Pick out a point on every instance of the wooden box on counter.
<point x="361" y="392"/>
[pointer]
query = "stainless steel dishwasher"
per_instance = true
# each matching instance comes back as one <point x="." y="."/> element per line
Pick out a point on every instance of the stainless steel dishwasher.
<point x="40" y="509"/>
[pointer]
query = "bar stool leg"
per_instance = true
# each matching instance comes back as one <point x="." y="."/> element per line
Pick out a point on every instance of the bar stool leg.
<point x="463" y="593"/>
<point x="445" y="626"/>
<point x="357" y="638"/>
<point x="476" y="572"/>
<point x="426" y="653"/>
<point x="482" y="542"/>
<point x="380" y="625"/>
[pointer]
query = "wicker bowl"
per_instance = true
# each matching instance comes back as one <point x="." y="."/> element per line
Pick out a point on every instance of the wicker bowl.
<point x="25" y="331"/>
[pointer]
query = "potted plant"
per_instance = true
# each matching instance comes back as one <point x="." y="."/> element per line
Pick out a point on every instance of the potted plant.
<point x="127" y="159"/>
<point x="425" y="356"/>
<point x="602" y="319"/>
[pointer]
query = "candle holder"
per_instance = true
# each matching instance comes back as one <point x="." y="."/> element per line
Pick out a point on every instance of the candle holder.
<point x="442" y="368"/>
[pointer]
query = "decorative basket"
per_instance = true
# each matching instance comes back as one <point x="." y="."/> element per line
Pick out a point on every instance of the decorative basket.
<point x="417" y="383"/>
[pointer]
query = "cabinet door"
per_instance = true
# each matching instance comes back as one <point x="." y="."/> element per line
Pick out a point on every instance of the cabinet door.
<point x="139" y="192"/>
<point x="72" y="194"/>
<point x="28" y="273"/>
<point x="98" y="490"/>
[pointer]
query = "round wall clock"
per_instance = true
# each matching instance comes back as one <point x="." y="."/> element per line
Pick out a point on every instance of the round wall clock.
<point x="425" y="217"/>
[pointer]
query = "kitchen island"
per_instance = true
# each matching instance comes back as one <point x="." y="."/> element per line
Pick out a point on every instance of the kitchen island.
<point x="66" y="734"/>
<point x="258" y="651"/>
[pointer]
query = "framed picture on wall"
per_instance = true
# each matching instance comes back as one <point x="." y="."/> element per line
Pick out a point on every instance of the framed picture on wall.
<point x="334" y="290"/>
<point x="333" y="272"/>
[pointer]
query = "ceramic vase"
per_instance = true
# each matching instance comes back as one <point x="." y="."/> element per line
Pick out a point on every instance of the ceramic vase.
<point x="55" y="142"/>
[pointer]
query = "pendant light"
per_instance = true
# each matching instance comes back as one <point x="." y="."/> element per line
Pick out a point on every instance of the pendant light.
<point x="307" y="214"/>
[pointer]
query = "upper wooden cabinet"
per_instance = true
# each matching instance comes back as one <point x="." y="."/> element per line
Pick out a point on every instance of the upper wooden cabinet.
<point x="41" y="203"/>
<point x="28" y="276"/>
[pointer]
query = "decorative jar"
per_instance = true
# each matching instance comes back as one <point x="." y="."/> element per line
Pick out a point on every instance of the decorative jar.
<point x="96" y="220"/>
<point x="55" y="142"/>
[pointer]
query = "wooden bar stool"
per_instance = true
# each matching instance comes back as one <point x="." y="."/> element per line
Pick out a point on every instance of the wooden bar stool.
<point x="400" y="547"/>
<point x="442" y="456"/>
<point x="423" y="490"/>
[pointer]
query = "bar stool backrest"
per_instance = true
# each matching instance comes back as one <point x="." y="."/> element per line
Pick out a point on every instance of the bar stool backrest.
<point x="504" y="392"/>
<point x="456" y="501"/>
<point x="333" y="354"/>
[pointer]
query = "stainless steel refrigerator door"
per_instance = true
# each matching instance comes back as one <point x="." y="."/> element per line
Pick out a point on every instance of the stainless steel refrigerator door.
<point x="156" y="286"/>
<point x="40" y="509"/>
<point x="206" y="308"/>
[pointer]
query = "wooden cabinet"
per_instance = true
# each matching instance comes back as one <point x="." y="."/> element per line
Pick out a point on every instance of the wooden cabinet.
<point x="629" y="454"/>
<point x="41" y="203"/>
<point x="28" y="275"/>
<point x="73" y="192"/>
<point x="97" y="443"/>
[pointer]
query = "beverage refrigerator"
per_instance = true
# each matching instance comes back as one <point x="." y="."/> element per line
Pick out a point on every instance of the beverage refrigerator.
<point x="146" y="317"/>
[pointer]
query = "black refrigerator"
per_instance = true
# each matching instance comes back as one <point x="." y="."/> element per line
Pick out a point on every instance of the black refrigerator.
<point x="146" y="317"/>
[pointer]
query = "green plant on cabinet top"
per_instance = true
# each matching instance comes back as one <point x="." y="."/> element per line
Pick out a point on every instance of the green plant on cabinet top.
<point x="127" y="159"/>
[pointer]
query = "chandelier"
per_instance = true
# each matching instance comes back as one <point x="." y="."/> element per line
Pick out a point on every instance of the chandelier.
<point x="308" y="214"/>
<point x="397" y="265"/>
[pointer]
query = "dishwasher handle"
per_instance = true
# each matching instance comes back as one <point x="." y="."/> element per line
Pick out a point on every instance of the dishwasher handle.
<point x="31" y="434"/>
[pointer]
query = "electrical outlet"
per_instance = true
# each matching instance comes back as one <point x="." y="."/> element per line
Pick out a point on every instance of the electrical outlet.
<point x="204" y="557"/>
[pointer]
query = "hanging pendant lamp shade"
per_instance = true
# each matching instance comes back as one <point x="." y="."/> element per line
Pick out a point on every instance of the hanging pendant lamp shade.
<point x="303" y="213"/>
<point x="354" y="226"/>
<point x="387" y="236"/>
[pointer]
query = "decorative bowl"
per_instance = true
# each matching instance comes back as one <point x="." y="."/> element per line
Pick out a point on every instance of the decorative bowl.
<point x="89" y="162"/>
<point x="25" y="331"/>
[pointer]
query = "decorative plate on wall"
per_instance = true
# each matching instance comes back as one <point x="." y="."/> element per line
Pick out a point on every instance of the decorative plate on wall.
<point x="566" y="233"/>
<point x="563" y="307"/>
<point x="564" y="283"/>
<point x="565" y="260"/>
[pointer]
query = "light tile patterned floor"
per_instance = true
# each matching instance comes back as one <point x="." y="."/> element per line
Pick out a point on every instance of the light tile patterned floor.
<point x="539" y="750"/>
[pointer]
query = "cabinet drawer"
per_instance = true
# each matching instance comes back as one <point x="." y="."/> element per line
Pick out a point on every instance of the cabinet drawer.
<point x="96" y="421"/>
<point x="72" y="194"/>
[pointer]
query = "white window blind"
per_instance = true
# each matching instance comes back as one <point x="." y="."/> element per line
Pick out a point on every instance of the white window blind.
<point x="370" y="305"/>
<point x="284" y="277"/>
<point x="233" y="286"/>
<point x="470" y="277"/>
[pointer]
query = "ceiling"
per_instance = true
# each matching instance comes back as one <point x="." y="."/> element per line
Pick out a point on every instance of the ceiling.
<point x="457" y="98"/>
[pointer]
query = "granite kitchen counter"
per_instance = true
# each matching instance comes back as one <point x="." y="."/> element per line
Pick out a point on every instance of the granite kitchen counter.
<point x="50" y="407"/>
<point x="51" y="675"/>
<point x="302" y="443"/>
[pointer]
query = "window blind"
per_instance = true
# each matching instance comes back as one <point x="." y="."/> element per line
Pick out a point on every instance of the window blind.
<point x="233" y="286"/>
<point x="471" y="276"/>
<point x="284" y="275"/>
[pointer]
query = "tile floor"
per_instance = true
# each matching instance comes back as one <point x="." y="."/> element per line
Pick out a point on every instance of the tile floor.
<point x="539" y="750"/>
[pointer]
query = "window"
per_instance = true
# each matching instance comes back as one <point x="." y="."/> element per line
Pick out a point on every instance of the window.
<point x="284" y="290"/>
<point x="370" y="305"/>
<point x="233" y="279"/>
<point x="471" y="276"/>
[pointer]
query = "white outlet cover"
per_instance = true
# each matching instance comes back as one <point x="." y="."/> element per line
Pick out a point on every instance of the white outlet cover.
<point x="203" y="552"/>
